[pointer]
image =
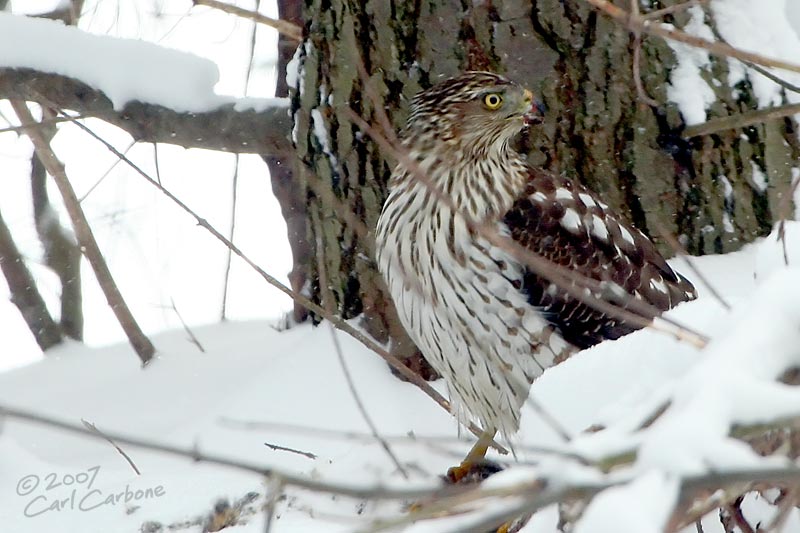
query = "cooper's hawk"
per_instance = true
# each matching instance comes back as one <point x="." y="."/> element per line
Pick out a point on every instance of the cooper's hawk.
<point x="484" y="320"/>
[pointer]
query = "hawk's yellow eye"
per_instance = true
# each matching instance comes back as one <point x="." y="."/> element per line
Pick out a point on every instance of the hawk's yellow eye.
<point x="493" y="101"/>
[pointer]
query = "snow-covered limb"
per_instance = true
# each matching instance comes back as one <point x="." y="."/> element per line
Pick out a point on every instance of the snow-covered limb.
<point x="154" y="93"/>
<point x="229" y="127"/>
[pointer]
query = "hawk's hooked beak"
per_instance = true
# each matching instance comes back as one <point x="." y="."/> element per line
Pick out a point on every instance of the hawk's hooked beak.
<point x="534" y="109"/>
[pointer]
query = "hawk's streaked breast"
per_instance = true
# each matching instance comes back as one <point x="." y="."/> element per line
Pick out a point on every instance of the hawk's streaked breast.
<point x="481" y="318"/>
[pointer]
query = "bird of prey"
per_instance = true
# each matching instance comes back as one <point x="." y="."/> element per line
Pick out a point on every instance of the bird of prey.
<point x="481" y="316"/>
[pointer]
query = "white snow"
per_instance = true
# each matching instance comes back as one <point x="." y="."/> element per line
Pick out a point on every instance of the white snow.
<point x="759" y="180"/>
<point x="654" y="494"/>
<point x="761" y="27"/>
<point x="124" y="69"/>
<point x="255" y="385"/>
<point x="321" y="133"/>
<point x="687" y="88"/>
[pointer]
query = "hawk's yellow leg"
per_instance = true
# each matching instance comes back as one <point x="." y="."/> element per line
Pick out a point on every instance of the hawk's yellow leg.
<point x="475" y="456"/>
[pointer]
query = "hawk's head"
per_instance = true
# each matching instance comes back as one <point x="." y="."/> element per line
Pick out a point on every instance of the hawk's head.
<point x="475" y="111"/>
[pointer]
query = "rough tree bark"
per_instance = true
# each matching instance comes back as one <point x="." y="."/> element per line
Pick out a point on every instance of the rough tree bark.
<point x="706" y="190"/>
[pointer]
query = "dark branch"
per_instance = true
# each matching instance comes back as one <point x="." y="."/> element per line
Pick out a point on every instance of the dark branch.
<point x="24" y="293"/>
<point x="139" y="341"/>
<point x="225" y="129"/>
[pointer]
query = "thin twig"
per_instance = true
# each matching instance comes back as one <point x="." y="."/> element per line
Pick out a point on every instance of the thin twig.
<point x="192" y="337"/>
<point x="552" y="421"/>
<point x="102" y="178"/>
<point x="279" y="448"/>
<point x="758" y="68"/>
<point x="290" y="30"/>
<point x="328" y="303"/>
<point x="784" y="211"/>
<point x="235" y="180"/>
<point x="376" y="492"/>
<point x="773" y="78"/>
<point x="328" y="434"/>
<point x="156" y="166"/>
<point x="681" y="251"/>
<point x="127" y="457"/>
<point x="36" y="124"/>
<point x="139" y="341"/>
<point x="669" y="10"/>
<point x="636" y="58"/>
<point x="231" y="234"/>
<point x="740" y="120"/>
<point x="357" y="398"/>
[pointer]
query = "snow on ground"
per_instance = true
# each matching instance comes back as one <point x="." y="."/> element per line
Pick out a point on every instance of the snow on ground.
<point x="156" y="253"/>
<point x="289" y="386"/>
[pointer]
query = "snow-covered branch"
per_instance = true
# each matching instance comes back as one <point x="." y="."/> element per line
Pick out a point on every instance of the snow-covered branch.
<point x="154" y="93"/>
<point x="229" y="128"/>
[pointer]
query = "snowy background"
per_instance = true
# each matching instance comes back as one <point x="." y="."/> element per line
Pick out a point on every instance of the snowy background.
<point x="156" y="253"/>
<point x="254" y="386"/>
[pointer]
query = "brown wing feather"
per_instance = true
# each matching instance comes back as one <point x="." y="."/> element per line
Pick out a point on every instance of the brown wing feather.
<point x="566" y="223"/>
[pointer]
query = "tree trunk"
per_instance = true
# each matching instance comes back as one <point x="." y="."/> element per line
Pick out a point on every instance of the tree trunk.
<point x="706" y="190"/>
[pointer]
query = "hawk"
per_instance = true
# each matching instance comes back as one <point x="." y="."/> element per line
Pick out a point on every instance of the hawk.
<point x="484" y="320"/>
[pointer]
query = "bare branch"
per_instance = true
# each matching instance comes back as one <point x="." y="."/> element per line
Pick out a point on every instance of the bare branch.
<point x="61" y="253"/>
<point x="192" y="337"/>
<point x="636" y="59"/>
<point x="226" y="129"/>
<point x="328" y="303"/>
<point x="279" y="448"/>
<point x="38" y="124"/>
<point x="669" y="10"/>
<point x="284" y="27"/>
<point x="741" y="120"/>
<point x="226" y="276"/>
<point x="683" y="254"/>
<point x="373" y="492"/>
<point x="140" y="343"/>
<point x="24" y="293"/>
<point x="114" y="444"/>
